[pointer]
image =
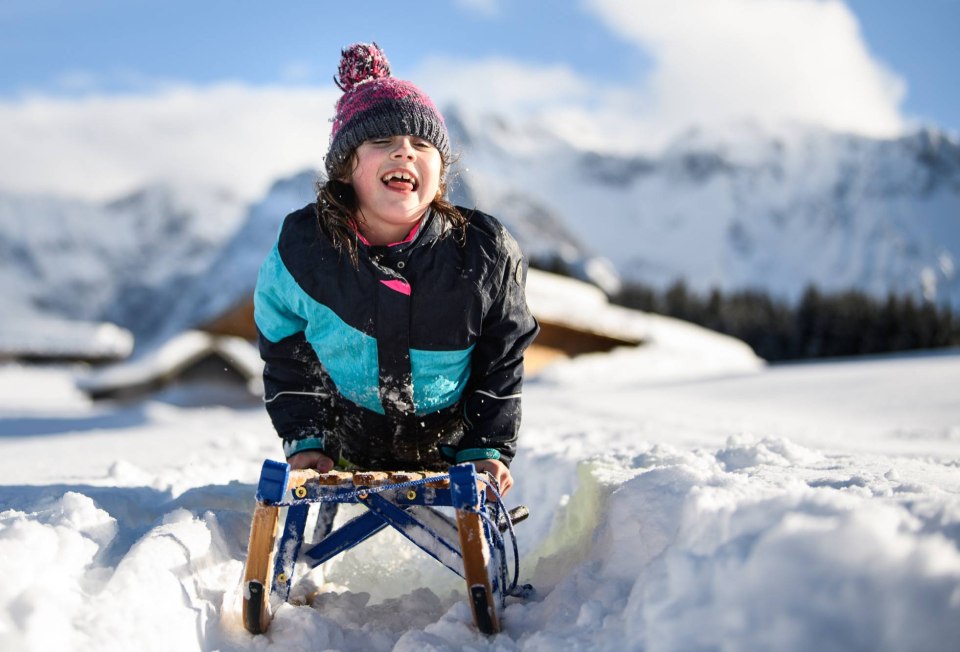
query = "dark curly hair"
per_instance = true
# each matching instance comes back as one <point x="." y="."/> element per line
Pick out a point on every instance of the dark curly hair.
<point x="337" y="208"/>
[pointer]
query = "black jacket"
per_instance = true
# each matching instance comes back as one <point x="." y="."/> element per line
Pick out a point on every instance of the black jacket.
<point x="410" y="360"/>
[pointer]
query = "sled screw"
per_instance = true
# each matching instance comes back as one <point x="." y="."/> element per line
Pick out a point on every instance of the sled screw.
<point x="300" y="492"/>
<point x="411" y="494"/>
<point x="362" y="495"/>
<point x="282" y="578"/>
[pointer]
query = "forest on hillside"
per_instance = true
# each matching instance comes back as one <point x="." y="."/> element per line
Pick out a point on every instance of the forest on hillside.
<point x="820" y="325"/>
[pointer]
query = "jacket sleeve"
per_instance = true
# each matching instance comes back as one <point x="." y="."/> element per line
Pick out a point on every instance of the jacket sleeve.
<point x="492" y="406"/>
<point x="294" y="393"/>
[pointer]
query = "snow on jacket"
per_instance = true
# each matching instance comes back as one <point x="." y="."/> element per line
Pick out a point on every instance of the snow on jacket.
<point x="412" y="360"/>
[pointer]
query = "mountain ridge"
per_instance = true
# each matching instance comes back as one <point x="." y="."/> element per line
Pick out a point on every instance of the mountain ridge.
<point x="745" y="208"/>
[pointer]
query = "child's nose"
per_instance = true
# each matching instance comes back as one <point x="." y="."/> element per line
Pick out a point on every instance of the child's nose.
<point x="405" y="149"/>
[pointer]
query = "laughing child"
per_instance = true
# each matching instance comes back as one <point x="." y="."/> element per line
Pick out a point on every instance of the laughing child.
<point x="393" y="324"/>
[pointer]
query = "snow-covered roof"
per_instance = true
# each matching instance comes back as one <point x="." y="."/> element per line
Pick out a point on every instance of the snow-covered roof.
<point x="177" y="356"/>
<point x="57" y="338"/>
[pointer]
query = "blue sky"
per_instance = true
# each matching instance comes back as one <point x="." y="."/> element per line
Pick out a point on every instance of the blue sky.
<point x="110" y="45"/>
<point x="606" y="72"/>
<point x="260" y="42"/>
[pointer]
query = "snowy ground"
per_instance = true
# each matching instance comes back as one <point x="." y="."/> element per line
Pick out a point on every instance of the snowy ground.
<point x="680" y="500"/>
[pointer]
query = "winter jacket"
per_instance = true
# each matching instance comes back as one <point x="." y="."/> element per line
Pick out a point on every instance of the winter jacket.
<point x="411" y="360"/>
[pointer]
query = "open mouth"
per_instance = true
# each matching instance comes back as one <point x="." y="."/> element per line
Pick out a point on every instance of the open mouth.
<point x="400" y="180"/>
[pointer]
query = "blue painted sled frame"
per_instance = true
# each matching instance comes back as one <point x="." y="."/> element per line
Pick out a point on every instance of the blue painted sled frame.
<point x="472" y="546"/>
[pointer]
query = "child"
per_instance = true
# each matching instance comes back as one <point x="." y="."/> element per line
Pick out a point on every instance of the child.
<point x="392" y="323"/>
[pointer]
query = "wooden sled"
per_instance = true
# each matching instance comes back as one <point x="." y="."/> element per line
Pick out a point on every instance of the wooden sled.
<point x="471" y="546"/>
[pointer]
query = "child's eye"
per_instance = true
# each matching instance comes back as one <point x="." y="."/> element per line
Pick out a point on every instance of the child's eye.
<point x="422" y="144"/>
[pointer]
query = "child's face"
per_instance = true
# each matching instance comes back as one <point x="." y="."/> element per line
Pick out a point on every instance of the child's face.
<point x="395" y="179"/>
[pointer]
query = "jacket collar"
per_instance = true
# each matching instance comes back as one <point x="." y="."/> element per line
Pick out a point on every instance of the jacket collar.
<point x="427" y="232"/>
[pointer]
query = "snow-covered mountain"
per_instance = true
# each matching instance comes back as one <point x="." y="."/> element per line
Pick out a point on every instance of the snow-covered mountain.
<point x="231" y="273"/>
<point x="124" y="262"/>
<point x="743" y="208"/>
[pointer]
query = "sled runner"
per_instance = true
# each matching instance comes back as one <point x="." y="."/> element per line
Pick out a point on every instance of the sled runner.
<point x="472" y="545"/>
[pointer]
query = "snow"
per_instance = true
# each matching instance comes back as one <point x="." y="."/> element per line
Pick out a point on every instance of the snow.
<point x="683" y="496"/>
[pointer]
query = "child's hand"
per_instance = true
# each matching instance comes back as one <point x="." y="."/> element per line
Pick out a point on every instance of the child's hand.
<point x="499" y="471"/>
<point x="310" y="460"/>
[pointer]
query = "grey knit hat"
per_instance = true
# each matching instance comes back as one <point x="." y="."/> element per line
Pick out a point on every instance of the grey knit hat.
<point x="376" y="105"/>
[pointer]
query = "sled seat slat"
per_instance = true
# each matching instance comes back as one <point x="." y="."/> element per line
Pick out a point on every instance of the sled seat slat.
<point x="301" y="477"/>
<point x="397" y="477"/>
<point x="443" y="483"/>
<point x="370" y="478"/>
<point x="335" y="478"/>
<point x="362" y="478"/>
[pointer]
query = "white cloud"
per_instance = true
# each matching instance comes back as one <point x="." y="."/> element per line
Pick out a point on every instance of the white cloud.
<point x="769" y="60"/>
<point x="97" y="147"/>
<point x="239" y="137"/>
<point x="500" y="85"/>
<point x="298" y="72"/>
<point x="485" y="8"/>
<point x="553" y="97"/>
<point x="716" y="61"/>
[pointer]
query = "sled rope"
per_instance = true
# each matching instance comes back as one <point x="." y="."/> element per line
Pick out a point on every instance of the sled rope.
<point x="501" y="515"/>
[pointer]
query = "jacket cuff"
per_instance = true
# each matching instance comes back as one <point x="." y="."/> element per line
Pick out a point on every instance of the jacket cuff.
<point x="293" y="446"/>
<point x="474" y="454"/>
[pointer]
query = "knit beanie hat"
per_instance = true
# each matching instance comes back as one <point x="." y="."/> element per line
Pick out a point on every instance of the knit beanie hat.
<point x="376" y="105"/>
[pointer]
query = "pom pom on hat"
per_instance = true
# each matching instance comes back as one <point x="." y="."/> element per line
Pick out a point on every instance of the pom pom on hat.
<point x="376" y="105"/>
<point x="359" y="63"/>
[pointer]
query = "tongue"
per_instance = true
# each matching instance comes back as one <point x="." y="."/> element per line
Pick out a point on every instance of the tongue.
<point x="398" y="184"/>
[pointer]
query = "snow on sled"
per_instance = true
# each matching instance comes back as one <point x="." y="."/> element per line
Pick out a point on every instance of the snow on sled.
<point x="472" y="545"/>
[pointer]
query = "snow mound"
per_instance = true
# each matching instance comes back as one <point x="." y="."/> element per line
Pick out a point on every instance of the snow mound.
<point x="688" y="554"/>
<point x="663" y="549"/>
<point x="655" y="525"/>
